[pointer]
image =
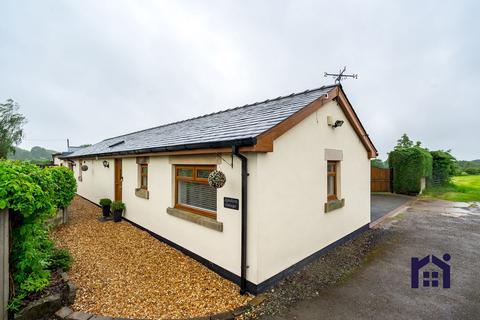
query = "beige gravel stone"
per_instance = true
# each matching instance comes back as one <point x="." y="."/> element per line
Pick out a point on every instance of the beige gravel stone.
<point x="121" y="271"/>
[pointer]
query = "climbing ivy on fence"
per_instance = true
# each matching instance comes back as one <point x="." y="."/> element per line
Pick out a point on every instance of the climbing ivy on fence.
<point x="32" y="195"/>
<point x="409" y="166"/>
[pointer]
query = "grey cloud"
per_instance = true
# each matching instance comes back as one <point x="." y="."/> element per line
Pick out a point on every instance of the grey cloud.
<point x="88" y="70"/>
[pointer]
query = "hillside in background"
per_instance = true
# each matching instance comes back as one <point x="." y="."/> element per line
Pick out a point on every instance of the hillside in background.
<point x="469" y="167"/>
<point x="35" y="154"/>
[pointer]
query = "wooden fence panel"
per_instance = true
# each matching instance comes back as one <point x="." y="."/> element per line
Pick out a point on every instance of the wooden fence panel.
<point x="381" y="180"/>
<point x="4" y="251"/>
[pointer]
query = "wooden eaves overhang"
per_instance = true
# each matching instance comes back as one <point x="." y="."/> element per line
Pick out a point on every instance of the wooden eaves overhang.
<point x="264" y="141"/>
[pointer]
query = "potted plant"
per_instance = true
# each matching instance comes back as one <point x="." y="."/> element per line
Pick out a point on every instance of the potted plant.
<point x="105" y="203"/>
<point x="117" y="208"/>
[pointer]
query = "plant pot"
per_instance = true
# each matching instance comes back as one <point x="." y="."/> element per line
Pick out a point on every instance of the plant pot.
<point x="106" y="211"/>
<point x="117" y="215"/>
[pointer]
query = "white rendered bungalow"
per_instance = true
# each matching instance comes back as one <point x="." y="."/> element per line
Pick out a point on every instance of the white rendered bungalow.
<point x="297" y="174"/>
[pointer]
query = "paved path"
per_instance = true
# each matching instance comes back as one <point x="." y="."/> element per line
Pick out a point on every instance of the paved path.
<point x="382" y="204"/>
<point x="382" y="290"/>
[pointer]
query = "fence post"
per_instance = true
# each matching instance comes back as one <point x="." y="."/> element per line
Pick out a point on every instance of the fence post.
<point x="4" y="252"/>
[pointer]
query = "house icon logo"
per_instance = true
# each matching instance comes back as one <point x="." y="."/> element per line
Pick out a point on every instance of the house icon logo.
<point x="432" y="268"/>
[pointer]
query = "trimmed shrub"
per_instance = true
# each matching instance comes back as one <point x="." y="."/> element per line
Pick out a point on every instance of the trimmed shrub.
<point x="117" y="205"/>
<point x="105" y="202"/>
<point x="409" y="166"/>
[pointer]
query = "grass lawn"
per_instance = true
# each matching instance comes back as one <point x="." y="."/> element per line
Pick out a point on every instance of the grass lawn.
<point x="462" y="188"/>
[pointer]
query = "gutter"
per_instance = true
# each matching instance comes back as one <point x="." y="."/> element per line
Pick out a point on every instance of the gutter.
<point x="204" y="145"/>
<point x="243" y="263"/>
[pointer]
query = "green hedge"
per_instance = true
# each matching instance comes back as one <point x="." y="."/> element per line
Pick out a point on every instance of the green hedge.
<point x="65" y="185"/>
<point x="409" y="166"/>
<point x="32" y="195"/>
<point x="443" y="167"/>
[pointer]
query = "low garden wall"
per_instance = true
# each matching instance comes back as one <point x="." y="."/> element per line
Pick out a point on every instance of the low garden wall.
<point x="60" y="218"/>
<point x="4" y="245"/>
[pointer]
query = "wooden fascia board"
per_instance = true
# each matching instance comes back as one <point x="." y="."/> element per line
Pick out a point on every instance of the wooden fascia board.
<point x="356" y="124"/>
<point x="266" y="138"/>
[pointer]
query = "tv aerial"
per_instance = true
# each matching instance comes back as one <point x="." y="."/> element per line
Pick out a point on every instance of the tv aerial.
<point x="341" y="75"/>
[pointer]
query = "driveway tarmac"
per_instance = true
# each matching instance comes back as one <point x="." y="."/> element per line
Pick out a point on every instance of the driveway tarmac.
<point x="383" y="203"/>
<point x="381" y="289"/>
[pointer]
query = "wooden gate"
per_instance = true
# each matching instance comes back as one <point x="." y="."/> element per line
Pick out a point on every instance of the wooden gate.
<point x="381" y="180"/>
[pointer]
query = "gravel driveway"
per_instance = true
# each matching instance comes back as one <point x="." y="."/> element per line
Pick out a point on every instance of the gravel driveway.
<point x="380" y="287"/>
<point x="121" y="271"/>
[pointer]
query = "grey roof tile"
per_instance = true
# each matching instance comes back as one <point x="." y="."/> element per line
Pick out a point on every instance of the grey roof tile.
<point x="241" y="123"/>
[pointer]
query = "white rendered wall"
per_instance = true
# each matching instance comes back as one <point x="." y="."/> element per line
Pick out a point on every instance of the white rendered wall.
<point x="293" y="180"/>
<point x="97" y="181"/>
<point x="221" y="248"/>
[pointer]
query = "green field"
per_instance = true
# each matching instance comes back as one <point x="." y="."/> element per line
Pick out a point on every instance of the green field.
<point x="462" y="188"/>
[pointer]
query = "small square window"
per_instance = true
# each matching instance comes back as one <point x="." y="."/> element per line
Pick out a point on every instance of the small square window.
<point x="193" y="193"/>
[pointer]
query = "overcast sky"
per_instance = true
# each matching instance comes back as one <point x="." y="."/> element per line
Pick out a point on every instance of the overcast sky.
<point x="89" y="70"/>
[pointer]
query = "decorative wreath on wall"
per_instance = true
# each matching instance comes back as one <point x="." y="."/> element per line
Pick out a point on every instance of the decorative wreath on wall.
<point x="217" y="179"/>
<point x="84" y="167"/>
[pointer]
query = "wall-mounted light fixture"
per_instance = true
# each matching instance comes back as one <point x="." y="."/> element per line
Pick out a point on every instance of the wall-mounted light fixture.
<point x="106" y="164"/>
<point x="337" y="124"/>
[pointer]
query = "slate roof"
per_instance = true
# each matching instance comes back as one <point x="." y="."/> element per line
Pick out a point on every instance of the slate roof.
<point x="240" y="125"/>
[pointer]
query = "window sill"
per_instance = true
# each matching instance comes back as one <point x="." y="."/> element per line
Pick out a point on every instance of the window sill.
<point x="142" y="193"/>
<point x="196" y="218"/>
<point x="334" y="204"/>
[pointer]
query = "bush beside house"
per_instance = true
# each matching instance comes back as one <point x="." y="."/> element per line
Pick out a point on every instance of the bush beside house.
<point x="32" y="194"/>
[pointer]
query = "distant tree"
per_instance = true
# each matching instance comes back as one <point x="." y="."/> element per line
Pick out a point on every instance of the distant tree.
<point x="378" y="163"/>
<point x="444" y="166"/>
<point x="473" y="171"/>
<point x="85" y="145"/>
<point x="11" y="127"/>
<point x="405" y="142"/>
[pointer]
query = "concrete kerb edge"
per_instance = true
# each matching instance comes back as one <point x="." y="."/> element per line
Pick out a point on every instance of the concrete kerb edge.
<point x="229" y="315"/>
<point x="377" y="223"/>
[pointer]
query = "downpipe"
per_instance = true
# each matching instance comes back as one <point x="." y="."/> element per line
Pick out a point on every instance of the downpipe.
<point x="243" y="263"/>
